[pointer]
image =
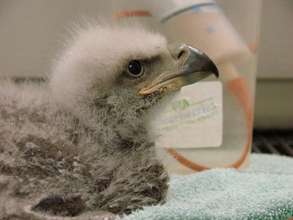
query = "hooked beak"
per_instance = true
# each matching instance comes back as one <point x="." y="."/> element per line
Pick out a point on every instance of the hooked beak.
<point x="193" y="65"/>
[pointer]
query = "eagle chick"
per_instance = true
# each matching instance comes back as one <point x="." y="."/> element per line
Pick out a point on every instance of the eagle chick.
<point x="80" y="143"/>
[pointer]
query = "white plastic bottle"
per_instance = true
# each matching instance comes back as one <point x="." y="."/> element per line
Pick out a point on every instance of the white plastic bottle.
<point x="208" y="124"/>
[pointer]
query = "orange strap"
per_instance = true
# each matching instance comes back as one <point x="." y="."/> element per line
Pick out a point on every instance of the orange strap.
<point x="239" y="89"/>
<point x="133" y="13"/>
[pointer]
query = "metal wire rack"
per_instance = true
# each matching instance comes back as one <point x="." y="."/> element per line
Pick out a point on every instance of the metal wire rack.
<point x="273" y="141"/>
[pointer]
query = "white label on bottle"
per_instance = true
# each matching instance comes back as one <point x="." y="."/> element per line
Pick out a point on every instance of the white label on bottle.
<point x="192" y="118"/>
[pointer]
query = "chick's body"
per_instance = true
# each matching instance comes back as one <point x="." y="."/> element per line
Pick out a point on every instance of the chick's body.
<point x="79" y="143"/>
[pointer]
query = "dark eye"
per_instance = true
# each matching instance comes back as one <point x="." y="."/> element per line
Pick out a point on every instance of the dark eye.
<point x="135" y="68"/>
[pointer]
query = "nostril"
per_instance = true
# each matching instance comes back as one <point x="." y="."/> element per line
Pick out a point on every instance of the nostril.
<point x="182" y="51"/>
<point x="178" y="51"/>
<point x="180" y="54"/>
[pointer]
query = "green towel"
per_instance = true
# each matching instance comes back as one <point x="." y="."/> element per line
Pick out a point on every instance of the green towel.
<point x="263" y="191"/>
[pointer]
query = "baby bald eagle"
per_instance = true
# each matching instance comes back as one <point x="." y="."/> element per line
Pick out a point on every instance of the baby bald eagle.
<point x="80" y="143"/>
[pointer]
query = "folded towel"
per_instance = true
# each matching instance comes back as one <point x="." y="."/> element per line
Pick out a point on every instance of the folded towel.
<point x="263" y="191"/>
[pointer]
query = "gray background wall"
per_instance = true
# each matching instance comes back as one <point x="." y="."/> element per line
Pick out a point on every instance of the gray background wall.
<point x="31" y="31"/>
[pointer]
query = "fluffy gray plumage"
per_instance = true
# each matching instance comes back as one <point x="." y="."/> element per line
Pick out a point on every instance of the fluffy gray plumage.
<point x="79" y="143"/>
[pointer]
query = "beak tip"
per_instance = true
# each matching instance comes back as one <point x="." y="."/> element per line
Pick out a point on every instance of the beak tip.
<point x="211" y="67"/>
<point x="201" y="62"/>
<point x="216" y="72"/>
